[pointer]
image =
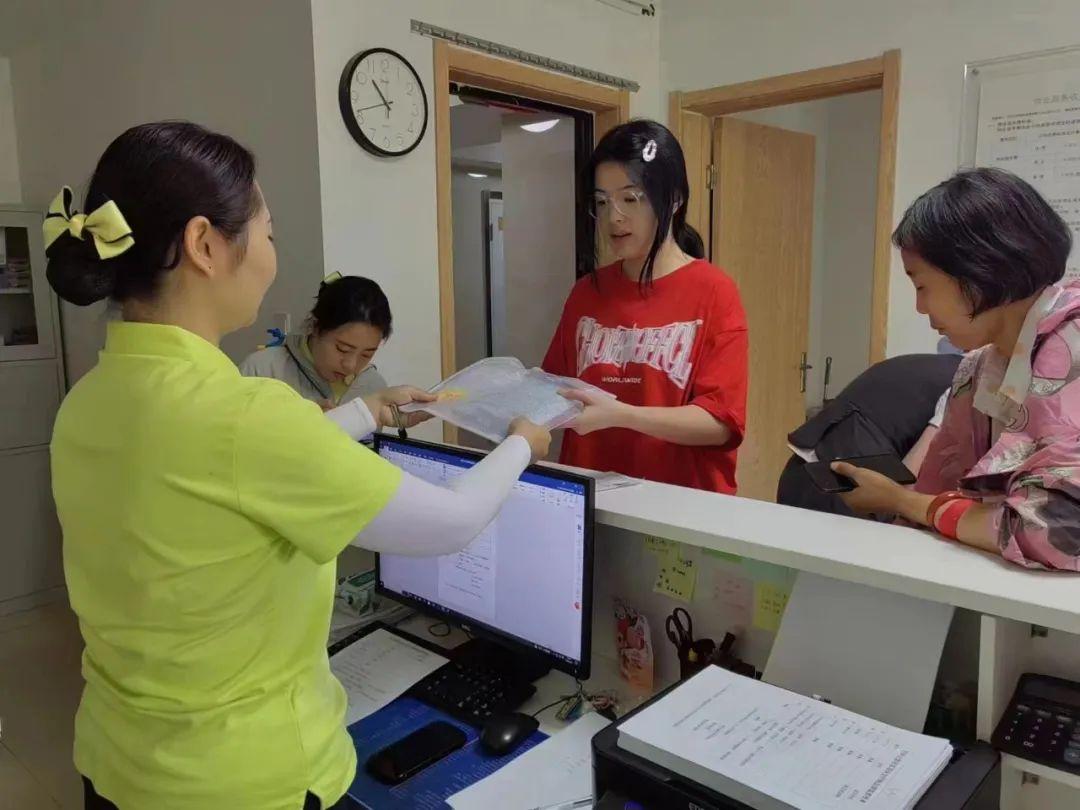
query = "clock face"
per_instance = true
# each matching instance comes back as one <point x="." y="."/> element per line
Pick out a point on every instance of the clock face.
<point x="383" y="102"/>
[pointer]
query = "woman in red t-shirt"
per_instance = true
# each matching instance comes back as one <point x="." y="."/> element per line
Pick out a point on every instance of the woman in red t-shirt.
<point x="661" y="329"/>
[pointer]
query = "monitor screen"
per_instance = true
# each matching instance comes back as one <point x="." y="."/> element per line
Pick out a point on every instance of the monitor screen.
<point x="527" y="579"/>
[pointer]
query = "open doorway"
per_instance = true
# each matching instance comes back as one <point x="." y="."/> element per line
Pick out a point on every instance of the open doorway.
<point x="600" y="106"/>
<point x="518" y="223"/>
<point x="795" y="175"/>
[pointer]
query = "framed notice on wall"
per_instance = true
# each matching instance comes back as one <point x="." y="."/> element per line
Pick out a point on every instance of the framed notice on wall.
<point x="1022" y="113"/>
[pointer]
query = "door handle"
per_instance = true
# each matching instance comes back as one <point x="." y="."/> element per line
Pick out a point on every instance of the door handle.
<point x="803" y="368"/>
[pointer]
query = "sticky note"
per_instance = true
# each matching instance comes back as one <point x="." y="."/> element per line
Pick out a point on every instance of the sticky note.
<point x="665" y="550"/>
<point x="723" y="555"/>
<point x="769" y="603"/>
<point x="676" y="578"/>
<point x="735" y="594"/>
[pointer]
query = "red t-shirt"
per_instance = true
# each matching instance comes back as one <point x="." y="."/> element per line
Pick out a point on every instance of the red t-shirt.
<point x="681" y="341"/>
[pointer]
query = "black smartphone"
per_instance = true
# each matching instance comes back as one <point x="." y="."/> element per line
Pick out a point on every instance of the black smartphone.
<point x="887" y="464"/>
<point x="410" y="755"/>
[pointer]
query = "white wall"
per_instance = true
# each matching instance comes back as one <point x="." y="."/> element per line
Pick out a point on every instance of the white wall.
<point x="83" y="72"/>
<point x="383" y="209"/>
<point x="469" y="248"/>
<point x="850" y="193"/>
<point x="10" y="187"/>
<point x="711" y="42"/>
<point x="539" y="237"/>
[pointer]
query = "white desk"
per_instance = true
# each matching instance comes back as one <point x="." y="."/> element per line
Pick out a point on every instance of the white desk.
<point x="1010" y="600"/>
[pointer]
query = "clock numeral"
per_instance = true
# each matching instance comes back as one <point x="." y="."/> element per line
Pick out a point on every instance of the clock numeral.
<point x="371" y="134"/>
<point x="386" y="141"/>
<point x="412" y="126"/>
<point x="409" y="88"/>
<point x="385" y="64"/>
<point x="355" y="97"/>
<point x="399" y="140"/>
<point x="360" y="118"/>
<point x="360" y="78"/>
<point x="415" y="109"/>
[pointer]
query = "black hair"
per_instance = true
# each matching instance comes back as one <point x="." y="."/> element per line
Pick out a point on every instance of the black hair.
<point x="663" y="179"/>
<point x="992" y="232"/>
<point x="351" y="299"/>
<point x="160" y="176"/>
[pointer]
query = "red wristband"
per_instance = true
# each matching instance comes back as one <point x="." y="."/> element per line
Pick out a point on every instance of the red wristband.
<point x="940" y="501"/>
<point x="948" y="523"/>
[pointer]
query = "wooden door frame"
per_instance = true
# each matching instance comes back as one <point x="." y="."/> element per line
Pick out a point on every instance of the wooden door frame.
<point x="609" y="105"/>
<point x="880" y="73"/>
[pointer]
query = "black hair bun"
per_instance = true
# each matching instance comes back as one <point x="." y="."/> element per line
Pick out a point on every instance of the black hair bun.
<point x="77" y="273"/>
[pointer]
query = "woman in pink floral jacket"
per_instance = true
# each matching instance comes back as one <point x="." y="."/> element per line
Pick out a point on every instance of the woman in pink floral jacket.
<point x="987" y="255"/>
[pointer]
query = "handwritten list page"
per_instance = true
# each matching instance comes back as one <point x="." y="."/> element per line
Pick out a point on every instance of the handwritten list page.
<point x="379" y="667"/>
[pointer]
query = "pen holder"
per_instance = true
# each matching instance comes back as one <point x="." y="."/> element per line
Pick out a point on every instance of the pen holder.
<point x="695" y="657"/>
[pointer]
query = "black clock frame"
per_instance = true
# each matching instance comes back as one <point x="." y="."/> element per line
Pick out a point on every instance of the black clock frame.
<point x="345" y="103"/>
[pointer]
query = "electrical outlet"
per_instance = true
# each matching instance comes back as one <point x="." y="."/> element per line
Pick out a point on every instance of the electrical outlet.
<point x="282" y="321"/>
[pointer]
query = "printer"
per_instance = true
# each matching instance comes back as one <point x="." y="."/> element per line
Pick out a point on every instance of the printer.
<point x="622" y="779"/>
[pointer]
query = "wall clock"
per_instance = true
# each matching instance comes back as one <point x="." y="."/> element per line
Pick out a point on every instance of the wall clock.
<point x="383" y="102"/>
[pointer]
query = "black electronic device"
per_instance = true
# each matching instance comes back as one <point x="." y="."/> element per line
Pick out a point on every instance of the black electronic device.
<point x="623" y="779"/>
<point x="889" y="465"/>
<point x="503" y="733"/>
<point x="1042" y="722"/>
<point x="410" y="755"/>
<point x="523" y="588"/>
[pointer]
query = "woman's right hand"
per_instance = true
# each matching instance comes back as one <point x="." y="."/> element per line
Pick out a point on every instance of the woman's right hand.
<point x="381" y="404"/>
<point x="539" y="438"/>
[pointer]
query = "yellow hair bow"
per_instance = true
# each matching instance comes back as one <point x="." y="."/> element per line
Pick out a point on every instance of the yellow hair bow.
<point x="110" y="231"/>
<point x="330" y="279"/>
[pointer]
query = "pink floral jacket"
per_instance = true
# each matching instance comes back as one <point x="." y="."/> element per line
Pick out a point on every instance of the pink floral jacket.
<point x="1033" y="468"/>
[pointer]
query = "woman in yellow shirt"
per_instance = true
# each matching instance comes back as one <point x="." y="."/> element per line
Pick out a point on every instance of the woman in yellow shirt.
<point x="202" y="510"/>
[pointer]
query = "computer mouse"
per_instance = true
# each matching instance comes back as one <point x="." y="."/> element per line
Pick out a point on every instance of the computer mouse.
<point x="502" y="733"/>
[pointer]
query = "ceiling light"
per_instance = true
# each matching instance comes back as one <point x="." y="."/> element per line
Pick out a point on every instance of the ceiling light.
<point x="540" y="126"/>
<point x="477" y="175"/>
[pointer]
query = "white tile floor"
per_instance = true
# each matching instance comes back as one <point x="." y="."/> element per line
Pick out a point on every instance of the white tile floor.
<point x="40" y="686"/>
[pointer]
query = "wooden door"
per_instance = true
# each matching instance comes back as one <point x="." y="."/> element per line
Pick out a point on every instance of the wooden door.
<point x="763" y="237"/>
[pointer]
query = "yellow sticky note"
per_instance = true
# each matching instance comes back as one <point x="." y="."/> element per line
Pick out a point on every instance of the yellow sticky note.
<point x="676" y="578"/>
<point x="769" y="603"/>
<point x="665" y="550"/>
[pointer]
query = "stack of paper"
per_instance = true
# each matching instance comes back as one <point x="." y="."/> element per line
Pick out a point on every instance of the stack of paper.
<point x="775" y="750"/>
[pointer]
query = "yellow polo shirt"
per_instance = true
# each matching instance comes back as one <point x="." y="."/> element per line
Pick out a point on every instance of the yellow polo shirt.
<point x="202" y="512"/>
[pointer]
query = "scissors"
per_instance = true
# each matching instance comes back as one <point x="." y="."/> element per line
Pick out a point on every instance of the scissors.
<point x="680" y="628"/>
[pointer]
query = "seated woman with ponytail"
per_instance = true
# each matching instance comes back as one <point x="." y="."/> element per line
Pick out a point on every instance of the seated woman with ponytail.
<point x="332" y="361"/>
<point x="661" y="329"/>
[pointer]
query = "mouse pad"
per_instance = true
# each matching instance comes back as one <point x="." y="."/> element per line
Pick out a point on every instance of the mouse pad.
<point x="429" y="788"/>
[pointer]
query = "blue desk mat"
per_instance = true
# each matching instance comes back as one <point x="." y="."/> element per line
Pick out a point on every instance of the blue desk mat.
<point x="429" y="788"/>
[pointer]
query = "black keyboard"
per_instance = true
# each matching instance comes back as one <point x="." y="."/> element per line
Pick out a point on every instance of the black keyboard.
<point x="472" y="692"/>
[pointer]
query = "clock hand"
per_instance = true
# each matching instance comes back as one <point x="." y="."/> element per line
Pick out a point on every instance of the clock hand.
<point x="386" y="103"/>
<point x="372" y="107"/>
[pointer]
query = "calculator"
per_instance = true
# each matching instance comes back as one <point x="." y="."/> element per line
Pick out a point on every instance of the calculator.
<point x="1042" y="722"/>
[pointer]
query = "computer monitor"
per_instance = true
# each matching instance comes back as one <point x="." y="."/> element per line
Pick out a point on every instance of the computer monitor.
<point x="526" y="581"/>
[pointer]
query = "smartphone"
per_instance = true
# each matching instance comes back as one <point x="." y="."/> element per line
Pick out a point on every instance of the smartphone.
<point x="410" y="755"/>
<point x="887" y="464"/>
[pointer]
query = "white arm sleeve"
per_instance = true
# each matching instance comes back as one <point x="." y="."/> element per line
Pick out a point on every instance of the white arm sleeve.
<point x="424" y="520"/>
<point x="354" y="418"/>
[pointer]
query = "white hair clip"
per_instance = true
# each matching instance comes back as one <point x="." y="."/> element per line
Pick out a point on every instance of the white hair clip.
<point x="649" y="152"/>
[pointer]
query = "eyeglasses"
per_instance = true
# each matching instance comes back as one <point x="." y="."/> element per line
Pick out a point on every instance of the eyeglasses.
<point x="628" y="202"/>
